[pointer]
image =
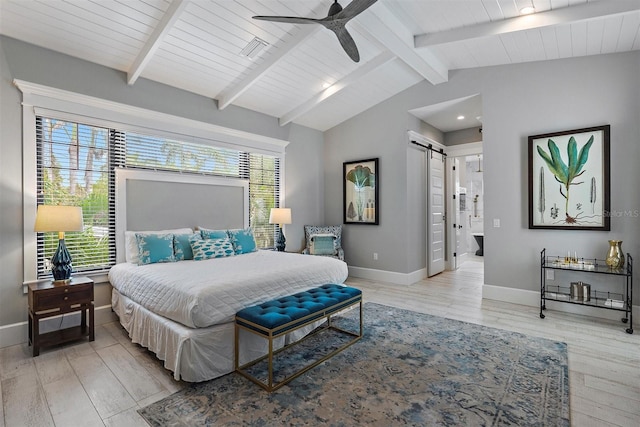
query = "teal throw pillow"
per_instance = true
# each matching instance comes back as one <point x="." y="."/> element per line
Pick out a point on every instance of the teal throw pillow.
<point x="213" y="234"/>
<point x="154" y="248"/>
<point x="182" y="247"/>
<point x="243" y="240"/>
<point x="323" y="244"/>
<point x="211" y="248"/>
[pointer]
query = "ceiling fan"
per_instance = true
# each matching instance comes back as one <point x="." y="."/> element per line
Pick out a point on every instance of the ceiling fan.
<point x="335" y="21"/>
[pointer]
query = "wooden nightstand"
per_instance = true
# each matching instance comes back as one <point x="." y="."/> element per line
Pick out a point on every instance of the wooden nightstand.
<point x="52" y="299"/>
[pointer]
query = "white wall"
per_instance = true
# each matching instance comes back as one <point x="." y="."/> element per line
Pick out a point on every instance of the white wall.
<point x="303" y="158"/>
<point x="517" y="101"/>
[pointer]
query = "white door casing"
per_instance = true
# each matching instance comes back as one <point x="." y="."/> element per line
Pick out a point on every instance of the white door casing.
<point x="454" y="221"/>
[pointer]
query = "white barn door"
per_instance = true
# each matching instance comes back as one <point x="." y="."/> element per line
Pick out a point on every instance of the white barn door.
<point x="435" y="213"/>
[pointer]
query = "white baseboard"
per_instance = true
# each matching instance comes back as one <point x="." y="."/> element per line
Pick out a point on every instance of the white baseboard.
<point x="388" y="276"/>
<point x="18" y="333"/>
<point x="532" y="299"/>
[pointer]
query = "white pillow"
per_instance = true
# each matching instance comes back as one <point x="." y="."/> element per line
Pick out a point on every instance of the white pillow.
<point x="131" y="244"/>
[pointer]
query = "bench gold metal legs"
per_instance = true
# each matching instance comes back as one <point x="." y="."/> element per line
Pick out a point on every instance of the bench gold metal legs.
<point x="271" y="334"/>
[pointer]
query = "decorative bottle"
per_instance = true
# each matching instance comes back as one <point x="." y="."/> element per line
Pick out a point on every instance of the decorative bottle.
<point x="615" y="256"/>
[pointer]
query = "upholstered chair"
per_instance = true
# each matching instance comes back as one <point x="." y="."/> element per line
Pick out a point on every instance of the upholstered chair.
<point x="324" y="240"/>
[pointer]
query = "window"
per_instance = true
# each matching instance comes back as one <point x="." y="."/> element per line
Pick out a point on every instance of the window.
<point x="264" y="190"/>
<point x="262" y="171"/>
<point x="76" y="166"/>
<point x="158" y="153"/>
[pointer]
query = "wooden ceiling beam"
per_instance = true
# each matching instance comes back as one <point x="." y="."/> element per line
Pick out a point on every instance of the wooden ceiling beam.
<point x="227" y="96"/>
<point x="343" y="83"/>
<point x="566" y="15"/>
<point x="151" y="46"/>
<point x="380" y="24"/>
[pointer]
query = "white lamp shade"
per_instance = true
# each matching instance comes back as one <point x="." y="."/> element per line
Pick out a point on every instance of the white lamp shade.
<point x="280" y="216"/>
<point x="58" y="218"/>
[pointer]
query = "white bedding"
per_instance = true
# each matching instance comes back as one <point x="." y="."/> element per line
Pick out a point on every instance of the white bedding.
<point x="200" y="294"/>
<point x="194" y="355"/>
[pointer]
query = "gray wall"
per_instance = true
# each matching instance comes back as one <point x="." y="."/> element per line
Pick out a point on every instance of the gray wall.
<point x="517" y="101"/>
<point x="13" y="306"/>
<point x="303" y="181"/>
<point x="577" y="93"/>
<point x="463" y="136"/>
<point x="425" y="129"/>
<point x="377" y="132"/>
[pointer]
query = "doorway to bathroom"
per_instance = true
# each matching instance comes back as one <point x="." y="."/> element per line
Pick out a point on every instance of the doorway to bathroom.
<point x="456" y="125"/>
<point x="472" y="217"/>
<point x="465" y="182"/>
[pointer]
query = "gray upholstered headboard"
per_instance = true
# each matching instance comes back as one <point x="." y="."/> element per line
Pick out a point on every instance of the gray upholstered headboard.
<point x="150" y="200"/>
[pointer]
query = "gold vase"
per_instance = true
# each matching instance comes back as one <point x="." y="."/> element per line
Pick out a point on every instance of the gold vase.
<point x="615" y="256"/>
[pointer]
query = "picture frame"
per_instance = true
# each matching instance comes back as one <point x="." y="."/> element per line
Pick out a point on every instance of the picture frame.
<point x="361" y="189"/>
<point x="569" y="182"/>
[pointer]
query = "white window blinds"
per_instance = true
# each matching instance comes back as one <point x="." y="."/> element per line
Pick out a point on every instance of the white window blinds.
<point x="264" y="194"/>
<point x="76" y="166"/>
<point x="159" y="153"/>
<point x="262" y="171"/>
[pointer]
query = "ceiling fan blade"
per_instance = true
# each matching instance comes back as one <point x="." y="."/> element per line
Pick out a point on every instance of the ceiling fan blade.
<point x="353" y="9"/>
<point x="347" y="43"/>
<point x="334" y="22"/>
<point x="288" y="19"/>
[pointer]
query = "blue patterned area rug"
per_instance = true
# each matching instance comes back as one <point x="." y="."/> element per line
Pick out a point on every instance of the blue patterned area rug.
<point x="408" y="369"/>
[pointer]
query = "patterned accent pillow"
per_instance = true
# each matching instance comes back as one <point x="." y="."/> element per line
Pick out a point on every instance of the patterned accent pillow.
<point x="212" y="234"/>
<point x="323" y="244"/>
<point x="243" y="240"/>
<point x="210" y="248"/>
<point x="182" y="246"/>
<point x="131" y="244"/>
<point x="154" y="248"/>
<point x="336" y="230"/>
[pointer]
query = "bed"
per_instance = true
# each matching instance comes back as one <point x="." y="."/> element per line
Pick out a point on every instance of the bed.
<point x="183" y="311"/>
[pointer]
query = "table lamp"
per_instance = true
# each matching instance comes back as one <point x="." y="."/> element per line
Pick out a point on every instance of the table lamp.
<point x="280" y="216"/>
<point x="59" y="219"/>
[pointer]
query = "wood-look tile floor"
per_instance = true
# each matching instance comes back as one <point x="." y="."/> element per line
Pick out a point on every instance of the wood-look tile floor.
<point x="104" y="382"/>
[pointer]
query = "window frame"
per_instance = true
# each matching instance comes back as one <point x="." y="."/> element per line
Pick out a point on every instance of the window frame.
<point x="113" y="139"/>
<point x="41" y="100"/>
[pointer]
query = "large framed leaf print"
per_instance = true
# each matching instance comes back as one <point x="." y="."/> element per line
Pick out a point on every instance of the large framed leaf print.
<point x="569" y="180"/>
<point x="360" y="190"/>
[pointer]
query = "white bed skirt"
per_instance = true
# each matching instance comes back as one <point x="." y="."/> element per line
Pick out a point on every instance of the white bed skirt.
<point x="192" y="354"/>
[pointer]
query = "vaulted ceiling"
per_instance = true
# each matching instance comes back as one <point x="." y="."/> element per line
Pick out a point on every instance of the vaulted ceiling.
<point x="302" y="75"/>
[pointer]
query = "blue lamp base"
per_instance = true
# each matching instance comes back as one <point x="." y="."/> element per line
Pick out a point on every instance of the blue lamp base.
<point x="61" y="263"/>
<point x="280" y="241"/>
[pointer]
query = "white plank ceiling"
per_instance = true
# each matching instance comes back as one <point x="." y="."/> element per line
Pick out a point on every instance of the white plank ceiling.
<point x="303" y="75"/>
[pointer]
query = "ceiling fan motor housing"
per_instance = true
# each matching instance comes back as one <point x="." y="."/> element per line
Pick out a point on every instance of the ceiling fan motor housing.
<point x="335" y="8"/>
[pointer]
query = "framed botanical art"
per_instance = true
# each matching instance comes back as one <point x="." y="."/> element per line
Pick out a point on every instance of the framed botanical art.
<point x="569" y="180"/>
<point x="360" y="190"/>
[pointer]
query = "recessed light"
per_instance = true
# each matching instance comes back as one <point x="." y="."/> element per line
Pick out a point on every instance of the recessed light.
<point x="528" y="10"/>
<point x="460" y="117"/>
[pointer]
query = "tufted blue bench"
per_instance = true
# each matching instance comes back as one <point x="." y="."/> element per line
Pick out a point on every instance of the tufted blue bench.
<point x="275" y="318"/>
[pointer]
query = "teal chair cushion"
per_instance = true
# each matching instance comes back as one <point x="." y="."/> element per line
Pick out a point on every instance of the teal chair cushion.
<point x="323" y="244"/>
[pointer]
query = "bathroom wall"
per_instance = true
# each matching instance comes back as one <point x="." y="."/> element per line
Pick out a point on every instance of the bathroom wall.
<point x="465" y="208"/>
<point x="474" y="215"/>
